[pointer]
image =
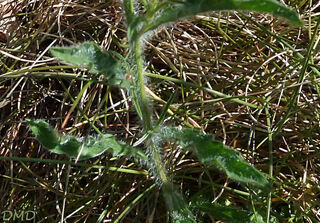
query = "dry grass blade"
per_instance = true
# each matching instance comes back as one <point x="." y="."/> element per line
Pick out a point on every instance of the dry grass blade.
<point x="8" y="22"/>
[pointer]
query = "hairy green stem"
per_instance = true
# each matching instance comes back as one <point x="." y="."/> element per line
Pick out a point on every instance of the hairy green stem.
<point x="128" y="7"/>
<point x="161" y="171"/>
<point x="142" y="96"/>
<point x="142" y="104"/>
<point x="146" y="113"/>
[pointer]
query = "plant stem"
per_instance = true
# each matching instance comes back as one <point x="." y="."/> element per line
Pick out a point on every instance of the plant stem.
<point x="270" y="135"/>
<point x="146" y="114"/>
<point x="128" y="6"/>
<point x="142" y="97"/>
<point x="161" y="171"/>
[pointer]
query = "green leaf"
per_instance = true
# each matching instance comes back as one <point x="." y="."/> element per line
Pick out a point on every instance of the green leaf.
<point x="89" y="55"/>
<point x="128" y="8"/>
<point x="72" y="146"/>
<point x="43" y="133"/>
<point x="227" y="214"/>
<point x="184" y="8"/>
<point x="177" y="206"/>
<point x="214" y="153"/>
<point x="183" y="216"/>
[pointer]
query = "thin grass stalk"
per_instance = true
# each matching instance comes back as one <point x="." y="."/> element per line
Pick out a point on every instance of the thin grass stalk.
<point x="216" y="93"/>
<point x="86" y="165"/>
<point x="300" y="80"/>
<point x="128" y="208"/>
<point x="270" y="135"/>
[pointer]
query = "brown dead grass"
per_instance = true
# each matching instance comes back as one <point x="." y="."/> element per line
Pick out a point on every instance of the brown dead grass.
<point x="237" y="58"/>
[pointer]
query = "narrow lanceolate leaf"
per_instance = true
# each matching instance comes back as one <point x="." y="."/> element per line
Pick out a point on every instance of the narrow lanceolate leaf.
<point x="184" y="8"/>
<point x="72" y="146"/>
<point x="227" y="214"/>
<point x="89" y="55"/>
<point x="214" y="153"/>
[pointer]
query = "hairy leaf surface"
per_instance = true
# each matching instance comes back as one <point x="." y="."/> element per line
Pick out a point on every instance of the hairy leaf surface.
<point x="214" y="153"/>
<point x="227" y="214"/>
<point x="89" y="55"/>
<point x="72" y="146"/>
<point x="44" y="133"/>
<point x="183" y="216"/>
<point x="181" y="9"/>
<point x="177" y="206"/>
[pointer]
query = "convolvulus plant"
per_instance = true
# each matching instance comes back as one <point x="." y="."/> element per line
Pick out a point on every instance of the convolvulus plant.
<point x="144" y="17"/>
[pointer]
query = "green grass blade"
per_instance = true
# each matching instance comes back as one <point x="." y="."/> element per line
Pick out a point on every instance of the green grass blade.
<point x="214" y="153"/>
<point x="80" y="164"/>
<point x="134" y="202"/>
<point x="165" y="109"/>
<point x="181" y="9"/>
<point x="89" y="55"/>
<point x="72" y="146"/>
<point x="227" y="214"/>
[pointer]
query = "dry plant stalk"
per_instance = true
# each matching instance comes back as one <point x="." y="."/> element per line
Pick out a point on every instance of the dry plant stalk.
<point x="8" y="20"/>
